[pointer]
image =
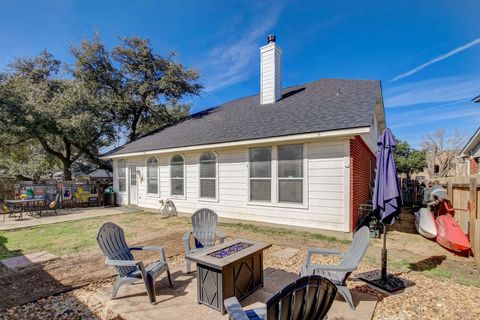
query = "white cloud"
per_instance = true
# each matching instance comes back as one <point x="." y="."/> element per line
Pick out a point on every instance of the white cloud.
<point x="230" y="63"/>
<point x="439" y="90"/>
<point x="437" y="59"/>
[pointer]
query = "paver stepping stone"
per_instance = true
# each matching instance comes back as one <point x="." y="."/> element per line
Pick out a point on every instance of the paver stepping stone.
<point x="286" y="253"/>
<point x="22" y="261"/>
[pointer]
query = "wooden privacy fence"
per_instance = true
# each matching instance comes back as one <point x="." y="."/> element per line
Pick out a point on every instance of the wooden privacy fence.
<point x="465" y="194"/>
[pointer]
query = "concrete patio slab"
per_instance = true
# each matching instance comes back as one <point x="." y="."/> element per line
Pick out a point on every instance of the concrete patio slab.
<point x="180" y="302"/>
<point x="63" y="215"/>
<point x="22" y="261"/>
<point x="286" y="253"/>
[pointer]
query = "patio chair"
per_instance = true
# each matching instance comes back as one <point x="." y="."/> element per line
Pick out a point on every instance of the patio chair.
<point x="204" y="223"/>
<point x="111" y="239"/>
<point x="339" y="274"/>
<point x="307" y="298"/>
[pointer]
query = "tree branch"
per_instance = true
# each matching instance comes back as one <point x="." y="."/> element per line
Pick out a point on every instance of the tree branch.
<point x="48" y="149"/>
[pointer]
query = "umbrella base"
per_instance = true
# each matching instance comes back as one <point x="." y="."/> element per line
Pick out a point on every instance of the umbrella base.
<point x="390" y="283"/>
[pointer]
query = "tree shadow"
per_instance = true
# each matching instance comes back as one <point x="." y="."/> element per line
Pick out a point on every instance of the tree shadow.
<point x="427" y="264"/>
<point x="406" y="223"/>
<point x="4" y="251"/>
<point x="32" y="282"/>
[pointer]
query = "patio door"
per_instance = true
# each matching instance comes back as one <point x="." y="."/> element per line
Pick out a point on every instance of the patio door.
<point x="132" y="190"/>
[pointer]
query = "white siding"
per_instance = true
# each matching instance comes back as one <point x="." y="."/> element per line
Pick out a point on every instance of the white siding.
<point x="270" y="73"/>
<point x="327" y="178"/>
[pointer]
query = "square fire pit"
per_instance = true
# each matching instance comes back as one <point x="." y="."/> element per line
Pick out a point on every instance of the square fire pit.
<point x="234" y="268"/>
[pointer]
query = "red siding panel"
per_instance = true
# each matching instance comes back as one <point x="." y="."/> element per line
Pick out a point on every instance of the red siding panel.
<point x="362" y="170"/>
<point x="474" y="166"/>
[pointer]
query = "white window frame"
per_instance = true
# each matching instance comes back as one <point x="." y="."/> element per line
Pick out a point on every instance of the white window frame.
<point x="249" y="178"/>
<point x="178" y="196"/>
<point x="207" y="199"/>
<point x="274" y="179"/>
<point x="152" y="194"/>
<point x="304" y="195"/>
<point x="125" y="177"/>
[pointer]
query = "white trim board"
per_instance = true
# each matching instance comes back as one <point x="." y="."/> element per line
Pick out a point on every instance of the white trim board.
<point x="305" y="136"/>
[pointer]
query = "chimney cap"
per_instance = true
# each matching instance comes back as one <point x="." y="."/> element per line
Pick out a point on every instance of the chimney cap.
<point x="271" y="38"/>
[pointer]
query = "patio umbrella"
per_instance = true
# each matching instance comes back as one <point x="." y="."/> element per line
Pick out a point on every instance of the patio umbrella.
<point x="387" y="199"/>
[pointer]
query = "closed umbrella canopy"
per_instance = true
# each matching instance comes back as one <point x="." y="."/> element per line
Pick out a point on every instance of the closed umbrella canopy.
<point x="387" y="199"/>
<point x="387" y="202"/>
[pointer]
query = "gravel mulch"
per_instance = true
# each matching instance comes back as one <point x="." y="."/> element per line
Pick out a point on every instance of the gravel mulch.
<point x="429" y="299"/>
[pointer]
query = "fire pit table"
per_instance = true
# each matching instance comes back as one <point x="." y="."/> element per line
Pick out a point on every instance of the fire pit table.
<point x="234" y="268"/>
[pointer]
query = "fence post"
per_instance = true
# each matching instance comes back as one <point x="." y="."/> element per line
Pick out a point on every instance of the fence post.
<point x="473" y="218"/>
<point x="450" y="190"/>
<point x="473" y="204"/>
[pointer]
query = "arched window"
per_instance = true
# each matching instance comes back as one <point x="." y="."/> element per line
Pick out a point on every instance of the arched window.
<point x="122" y="175"/>
<point x="152" y="175"/>
<point x="208" y="175"/>
<point x="177" y="175"/>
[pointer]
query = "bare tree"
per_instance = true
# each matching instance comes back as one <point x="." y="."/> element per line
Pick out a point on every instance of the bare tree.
<point x="442" y="148"/>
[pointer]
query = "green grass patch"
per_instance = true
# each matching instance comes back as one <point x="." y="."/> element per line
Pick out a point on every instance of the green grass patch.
<point x="401" y="264"/>
<point x="372" y="259"/>
<point x="282" y="232"/>
<point x="438" y="273"/>
<point x="58" y="238"/>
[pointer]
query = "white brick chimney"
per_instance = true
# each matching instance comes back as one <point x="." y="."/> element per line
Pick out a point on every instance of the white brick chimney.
<point x="270" y="72"/>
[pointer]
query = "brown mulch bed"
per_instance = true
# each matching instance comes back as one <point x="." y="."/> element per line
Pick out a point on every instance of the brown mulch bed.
<point x="41" y="280"/>
<point x="430" y="298"/>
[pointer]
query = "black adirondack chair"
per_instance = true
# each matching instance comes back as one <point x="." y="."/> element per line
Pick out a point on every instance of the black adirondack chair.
<point x="307" y="298"/>
<point x="111" y="239"/>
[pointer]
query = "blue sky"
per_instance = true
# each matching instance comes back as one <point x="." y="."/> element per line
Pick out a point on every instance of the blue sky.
<point x="426" y="53"/>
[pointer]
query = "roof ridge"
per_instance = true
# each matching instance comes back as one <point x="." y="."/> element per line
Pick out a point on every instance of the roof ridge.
<point x="307" y="107"/>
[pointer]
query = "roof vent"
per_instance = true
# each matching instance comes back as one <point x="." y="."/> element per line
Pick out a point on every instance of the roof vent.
<point x="338" y="92"/>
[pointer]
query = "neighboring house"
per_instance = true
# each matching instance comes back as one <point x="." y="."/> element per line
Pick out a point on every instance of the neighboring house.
<point x="300" y="156"/>
<point x="97" y="175"/>
<point x="439" y="165"/>
<point x="471" y="153"/>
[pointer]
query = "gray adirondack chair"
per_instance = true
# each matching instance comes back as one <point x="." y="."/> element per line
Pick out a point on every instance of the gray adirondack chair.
<point x="339" y="274"/>
<point x="111" y="240"/>
<point x="204" y="223"/>
<point x="307" y="298"/>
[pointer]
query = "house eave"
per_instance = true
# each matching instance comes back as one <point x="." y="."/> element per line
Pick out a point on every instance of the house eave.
<point x="471" y="143"/>
<point x="304" y="136"/>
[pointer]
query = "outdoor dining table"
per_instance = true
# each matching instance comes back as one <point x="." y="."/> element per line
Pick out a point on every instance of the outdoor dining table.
<point x="231" y="269"/>
<point x="30" y="206"/>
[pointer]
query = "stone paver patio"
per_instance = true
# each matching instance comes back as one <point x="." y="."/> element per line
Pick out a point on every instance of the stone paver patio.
<point x="22" y="261"/>
<point x="180" y="302"/>
<point x="63" y="215"/>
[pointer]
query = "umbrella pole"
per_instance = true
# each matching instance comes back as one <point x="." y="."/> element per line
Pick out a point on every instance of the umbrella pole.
<point x="384" y="252"/>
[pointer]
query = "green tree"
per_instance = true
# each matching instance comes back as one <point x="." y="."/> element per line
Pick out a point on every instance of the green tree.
<point x="26" y="160"/>
<point x="144" y="89"/>
<point x="38" y="106"/>
<point x="66" y="114"/>
<point x="408" y="160"/>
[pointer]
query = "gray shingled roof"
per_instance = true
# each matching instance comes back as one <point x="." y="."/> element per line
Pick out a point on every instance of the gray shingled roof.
<point x="323" y="105"/>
